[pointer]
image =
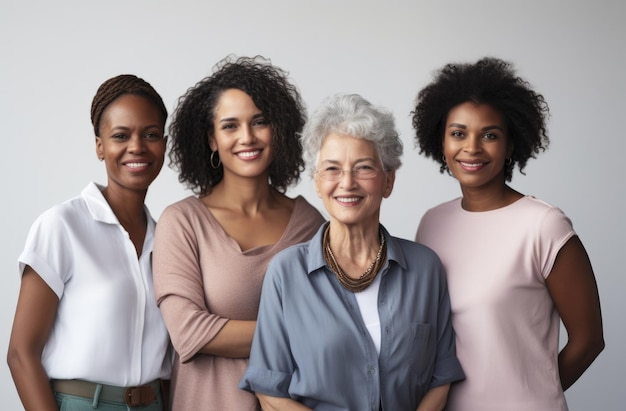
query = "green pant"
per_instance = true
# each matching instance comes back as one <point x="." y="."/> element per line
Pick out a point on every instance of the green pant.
<point x="68" y="402"/>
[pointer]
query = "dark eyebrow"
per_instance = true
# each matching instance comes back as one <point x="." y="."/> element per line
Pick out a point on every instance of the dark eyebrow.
<point x="463" y="126"/>
<point x="494" y="127"/>
<point x="254" y="117"/>
<point x="457" y="125"/>
<point x="125" y="128"/>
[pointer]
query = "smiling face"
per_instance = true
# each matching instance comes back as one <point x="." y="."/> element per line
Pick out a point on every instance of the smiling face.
<point x="476" y="146"/>
<point x="242" y="136"/>
<point x="131" y="142"/>
<point x="351" y="200"/>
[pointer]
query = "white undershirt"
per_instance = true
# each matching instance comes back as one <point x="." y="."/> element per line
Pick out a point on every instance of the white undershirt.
<point x="368" y="305"/>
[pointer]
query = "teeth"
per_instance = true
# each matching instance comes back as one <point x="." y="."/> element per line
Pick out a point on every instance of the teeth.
<point x="348" y="199"/>
<point x="471" y="164"/>
<point x="136" y="165"/>
<point x="249" y="153"/>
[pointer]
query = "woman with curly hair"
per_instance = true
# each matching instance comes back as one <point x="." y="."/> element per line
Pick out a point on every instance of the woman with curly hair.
<point x="515" y="266"/>
<point x="235" y="144"/>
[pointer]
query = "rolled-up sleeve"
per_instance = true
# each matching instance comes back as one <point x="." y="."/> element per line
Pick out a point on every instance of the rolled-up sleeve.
<point x="271" y="363"/>
<point x="447" y="366"/>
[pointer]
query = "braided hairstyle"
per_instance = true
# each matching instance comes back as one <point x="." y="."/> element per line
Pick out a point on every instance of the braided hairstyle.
<point x="118" y="86"/>
<point x="489" y="81"/>
<point x="192" y="125"/>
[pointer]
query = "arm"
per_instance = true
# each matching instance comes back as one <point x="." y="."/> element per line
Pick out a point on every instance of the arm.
<point x="179" y="288"/>
<point x="435" y="399"/>
<point x="34" y="317"/>
<point x="269" y="403"/>
<point x="272" y="363"/>
<point x="233" y="340"/>
<point x="573" y="289"/>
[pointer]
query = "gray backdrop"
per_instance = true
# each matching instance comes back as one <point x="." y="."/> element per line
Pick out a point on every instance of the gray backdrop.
<point x="55" y="54"/>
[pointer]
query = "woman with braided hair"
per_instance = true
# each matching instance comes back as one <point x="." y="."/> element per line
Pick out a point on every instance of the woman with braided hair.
<point x="235" y="143"/>
<point x="87" y="331"/>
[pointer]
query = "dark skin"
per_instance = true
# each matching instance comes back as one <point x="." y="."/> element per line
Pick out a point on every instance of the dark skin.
<point x="478" y="132"/>
<point x="36" y="309"/>
<point x="131" y="131"/>
<point x="573" y="289"/>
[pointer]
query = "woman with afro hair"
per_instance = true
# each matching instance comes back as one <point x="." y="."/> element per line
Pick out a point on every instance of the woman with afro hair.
<point x="515" y="266"/>
<point x="235" y="144"/>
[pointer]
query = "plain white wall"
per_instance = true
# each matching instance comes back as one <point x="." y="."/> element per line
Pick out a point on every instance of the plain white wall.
<point x="55" y="54"/>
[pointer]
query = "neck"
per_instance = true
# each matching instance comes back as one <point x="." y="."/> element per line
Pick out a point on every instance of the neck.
<point x="247" y="195"/>
<point x="127" y="205"/>
<point x="355" y="278"/>
<point x="355" y="243"/>
<point x="486" y="200"/>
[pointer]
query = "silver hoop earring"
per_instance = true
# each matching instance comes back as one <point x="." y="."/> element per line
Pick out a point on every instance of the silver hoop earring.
<point x="212" y="162"/>
<point x="508" y="161"/>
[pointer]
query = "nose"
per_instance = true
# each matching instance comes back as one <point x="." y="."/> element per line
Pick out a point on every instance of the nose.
<point x="347" y="179"/>
<point x="136" y="144"/>
<point x="472" y="144"/>
<point x="247" y="135"/>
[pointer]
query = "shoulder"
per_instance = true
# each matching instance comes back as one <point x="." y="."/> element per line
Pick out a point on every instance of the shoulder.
<point x="53" y="237"/>
<point x="295" y="253"/>
<point x="305" y="256"/>
<point x="530" y="203"/>
<point x="415" y="252"/>
<point x="181" y="209"/>
<point x="305" y="220"/>
<point x="288" y="268"/>
<point x="66" y="214"/>
<point x="306" y="210"/>
<point x="410" y="255"/>
<point x="440" y="216"/>
<point x="548" y="219"/>
<point x="420" y="265"/>
<point x="534" y="215"/>
<point x="444" y="209"/>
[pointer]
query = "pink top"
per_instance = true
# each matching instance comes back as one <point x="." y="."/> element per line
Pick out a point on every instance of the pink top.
<point x="202" y="279"/>
<point x="507" y="328"/>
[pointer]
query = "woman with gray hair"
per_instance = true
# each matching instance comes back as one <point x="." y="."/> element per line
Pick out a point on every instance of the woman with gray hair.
<point x="353" y="319"/>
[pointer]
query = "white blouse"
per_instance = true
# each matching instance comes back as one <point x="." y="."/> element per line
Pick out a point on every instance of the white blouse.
<point x="108" y="328"/>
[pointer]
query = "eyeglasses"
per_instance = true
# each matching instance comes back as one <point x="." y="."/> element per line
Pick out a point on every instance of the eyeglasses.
<point x="362" y="172"/>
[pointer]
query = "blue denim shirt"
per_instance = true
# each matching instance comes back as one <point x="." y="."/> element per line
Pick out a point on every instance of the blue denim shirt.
<point x="312" y="345"/>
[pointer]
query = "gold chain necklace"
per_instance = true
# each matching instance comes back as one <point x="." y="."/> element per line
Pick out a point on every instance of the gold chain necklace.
<point x="352" y="284"/>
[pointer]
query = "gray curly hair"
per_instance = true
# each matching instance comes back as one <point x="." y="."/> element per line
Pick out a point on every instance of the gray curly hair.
<point x="352" y="115"/>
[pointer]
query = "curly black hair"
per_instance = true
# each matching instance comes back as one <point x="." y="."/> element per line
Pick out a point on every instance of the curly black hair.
<point x="271" y="92"/>
<point x="489" y="81"/>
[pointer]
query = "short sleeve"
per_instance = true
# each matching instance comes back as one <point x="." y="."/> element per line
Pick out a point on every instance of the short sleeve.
<point x="48" y="252"/>
<point x="553" y="231"/>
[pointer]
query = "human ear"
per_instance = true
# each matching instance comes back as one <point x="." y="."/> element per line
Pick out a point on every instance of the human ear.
<point x="212" y="143"/>
<point x="99" y="149"/>
<point x="389" y="181"/>
<point x="316" y="181"/>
